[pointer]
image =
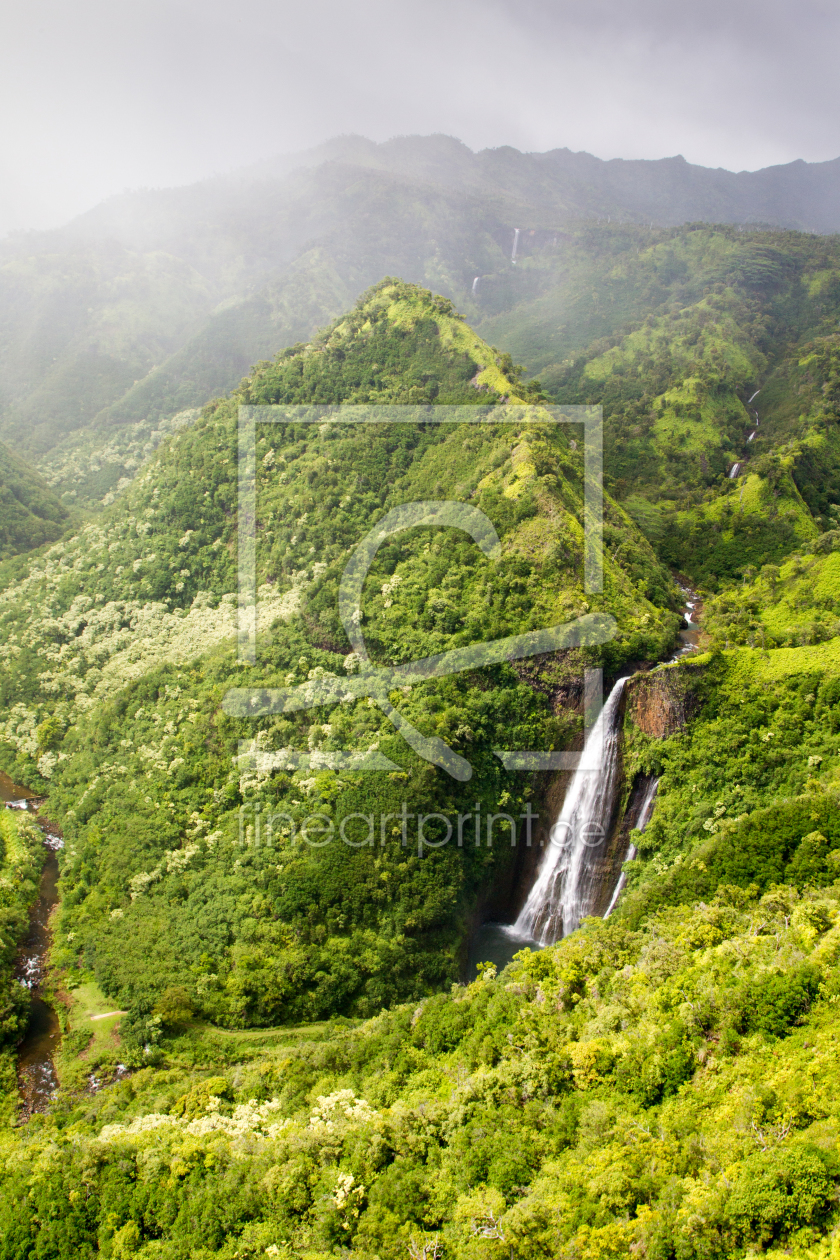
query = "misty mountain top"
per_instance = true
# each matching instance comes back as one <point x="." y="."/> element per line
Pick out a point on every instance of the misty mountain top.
<point x="117" y="328"/>
<point x="665" y="191"/>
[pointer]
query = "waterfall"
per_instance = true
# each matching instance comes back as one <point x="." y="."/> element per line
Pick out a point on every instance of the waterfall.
<point x="733" y="472"/>
<point x="755" y="395"/>
<point x="689" y="636"/>
<point x="515" y="244"/>
<point x="752" y="435"/>
<point x="566" y="883"/>
<point x="475" y="285"/>
<point x="642" y="821"/>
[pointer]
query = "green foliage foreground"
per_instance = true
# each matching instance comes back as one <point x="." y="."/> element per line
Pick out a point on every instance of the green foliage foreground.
<point x="668" y="1091"/>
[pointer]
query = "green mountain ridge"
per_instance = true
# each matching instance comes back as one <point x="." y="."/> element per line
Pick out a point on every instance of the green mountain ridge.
<point x="119" y="645"/>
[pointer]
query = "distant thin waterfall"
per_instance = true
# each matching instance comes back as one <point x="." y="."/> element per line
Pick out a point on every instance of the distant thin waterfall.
<point x="642" y="821"/>
<point x="475" y="285"/>
<point x="515" y="244"/>
<point x="566" y="884"/>
<point x="733" y="472"/>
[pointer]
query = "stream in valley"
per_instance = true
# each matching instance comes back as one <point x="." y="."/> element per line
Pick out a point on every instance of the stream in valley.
<point x="690" y="636"/>
<point x="562" y="893"/>
<point x="37" y="1080"/>
<point x="12" y="793"/>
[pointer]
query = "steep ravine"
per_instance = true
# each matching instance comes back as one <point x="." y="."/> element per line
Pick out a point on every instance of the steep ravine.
<point x="37" y="1080"/>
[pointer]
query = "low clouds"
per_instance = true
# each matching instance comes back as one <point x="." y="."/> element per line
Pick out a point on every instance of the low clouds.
<point x="101" y="96"/>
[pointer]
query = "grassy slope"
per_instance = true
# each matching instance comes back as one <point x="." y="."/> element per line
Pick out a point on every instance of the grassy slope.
<point x="690" y="325"/>
<point x="795" y="602"/>
<point x="741" y="793"/>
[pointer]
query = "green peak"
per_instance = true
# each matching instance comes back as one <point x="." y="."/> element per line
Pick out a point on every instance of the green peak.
<point x="400" y="343"/>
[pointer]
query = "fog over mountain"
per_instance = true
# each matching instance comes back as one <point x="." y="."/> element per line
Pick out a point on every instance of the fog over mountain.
<point x="115" y="326"/>
<point x="101" y="97"/>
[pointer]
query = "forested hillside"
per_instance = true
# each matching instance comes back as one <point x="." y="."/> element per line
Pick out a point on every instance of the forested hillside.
<point x="118" y="647"/>
<point x="291" y="1063"/>
<point x="30" y="514"/>
<point x="717" y="357"/>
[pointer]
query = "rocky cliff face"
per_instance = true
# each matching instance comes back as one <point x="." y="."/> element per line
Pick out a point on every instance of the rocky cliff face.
<point x="661" y="702"/>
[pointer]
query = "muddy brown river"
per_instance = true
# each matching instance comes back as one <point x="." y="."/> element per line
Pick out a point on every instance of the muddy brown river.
<point x="10" y="791"/>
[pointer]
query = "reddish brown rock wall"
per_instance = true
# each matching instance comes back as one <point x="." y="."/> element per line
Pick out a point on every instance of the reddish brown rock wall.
<point x="660" y="703"/>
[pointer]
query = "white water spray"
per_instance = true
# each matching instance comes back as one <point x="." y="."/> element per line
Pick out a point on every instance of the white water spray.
<point x="475" y="285"/>
<point x="567" y="881"/>
<point x="643" y="820"/>
<point x="515" y="244"/>
<point x="733" y="472"/>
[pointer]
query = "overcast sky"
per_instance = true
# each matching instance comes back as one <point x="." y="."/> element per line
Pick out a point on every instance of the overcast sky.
<point x="102" y="95"/>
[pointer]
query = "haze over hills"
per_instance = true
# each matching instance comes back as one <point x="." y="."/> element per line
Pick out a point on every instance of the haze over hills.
<point x="666" y="191"/>
<point x="153" y="302"/>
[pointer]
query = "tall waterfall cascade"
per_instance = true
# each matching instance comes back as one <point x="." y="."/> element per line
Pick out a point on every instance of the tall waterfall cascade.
<point x="566" y="885"/>
<point x="515" y="244"/>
